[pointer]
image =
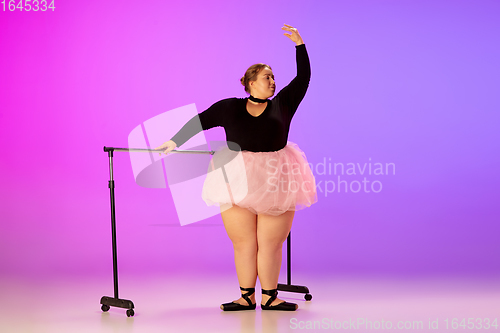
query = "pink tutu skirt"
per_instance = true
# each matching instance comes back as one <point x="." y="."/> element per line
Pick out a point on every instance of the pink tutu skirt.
<point x="263" y="182"/>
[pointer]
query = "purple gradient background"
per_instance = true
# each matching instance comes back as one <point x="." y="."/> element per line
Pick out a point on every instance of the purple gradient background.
<point x="413" y="83"/>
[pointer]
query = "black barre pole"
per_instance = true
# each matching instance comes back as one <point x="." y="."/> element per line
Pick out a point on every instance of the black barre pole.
<point x="146" y="150"/>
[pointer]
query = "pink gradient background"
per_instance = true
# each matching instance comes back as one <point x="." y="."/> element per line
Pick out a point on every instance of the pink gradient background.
<point x="414" y="83"/>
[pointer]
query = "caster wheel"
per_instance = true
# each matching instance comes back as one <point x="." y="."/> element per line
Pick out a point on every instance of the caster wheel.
<point x="308" y="297"/>
<point x="105" y="308"/>
<point x="130" y="313"/>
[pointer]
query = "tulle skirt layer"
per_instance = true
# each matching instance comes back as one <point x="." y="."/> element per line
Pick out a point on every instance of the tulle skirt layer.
<point x="263" y="182"/>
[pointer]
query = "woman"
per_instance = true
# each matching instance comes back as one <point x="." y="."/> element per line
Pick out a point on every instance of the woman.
<point x="277" y="177"/>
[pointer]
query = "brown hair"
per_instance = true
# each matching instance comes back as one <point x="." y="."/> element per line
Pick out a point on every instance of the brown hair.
<point x="251" y="75"/>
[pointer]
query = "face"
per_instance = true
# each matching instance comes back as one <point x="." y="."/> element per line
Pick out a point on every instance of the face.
<point x="263" y="87"/>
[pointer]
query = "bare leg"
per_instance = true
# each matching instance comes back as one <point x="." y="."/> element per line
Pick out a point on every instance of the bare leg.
<point x="241" y="227"/>
<point x="271" y="233"/>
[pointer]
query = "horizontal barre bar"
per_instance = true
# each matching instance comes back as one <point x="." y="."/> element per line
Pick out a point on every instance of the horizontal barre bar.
<point x="145" y="150"/>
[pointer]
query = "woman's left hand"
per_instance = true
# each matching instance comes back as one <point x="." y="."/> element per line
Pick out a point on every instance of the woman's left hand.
<point x="294" y="34"/>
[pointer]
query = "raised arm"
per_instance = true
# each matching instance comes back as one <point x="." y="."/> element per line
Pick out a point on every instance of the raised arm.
<point x="294" y="92"/>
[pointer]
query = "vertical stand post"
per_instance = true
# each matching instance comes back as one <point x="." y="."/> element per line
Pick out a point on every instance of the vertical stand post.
<point x="111" y="186"/>
<point x="107" y="301"/>
<point x="289" y="259"/>
<point x="289" y="287"/>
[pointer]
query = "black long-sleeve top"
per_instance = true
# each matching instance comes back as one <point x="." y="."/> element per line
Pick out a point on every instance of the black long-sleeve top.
<point x="266" y="132"/>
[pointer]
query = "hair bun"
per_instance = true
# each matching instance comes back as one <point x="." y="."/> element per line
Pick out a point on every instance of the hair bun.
<point x="242" y="80"/>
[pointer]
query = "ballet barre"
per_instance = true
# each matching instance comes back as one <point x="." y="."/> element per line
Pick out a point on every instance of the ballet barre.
<point x="146" y="150"/>
<point x="106" y="301"/>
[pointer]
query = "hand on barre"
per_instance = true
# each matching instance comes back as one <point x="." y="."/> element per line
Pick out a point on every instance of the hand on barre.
<point x="167" y="147"/>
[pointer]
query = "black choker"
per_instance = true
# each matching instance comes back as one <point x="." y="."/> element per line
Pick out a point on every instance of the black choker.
<point x="257" y="100"/>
